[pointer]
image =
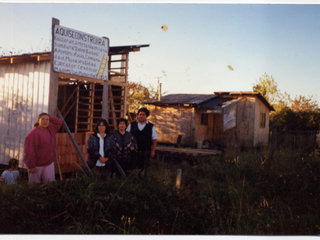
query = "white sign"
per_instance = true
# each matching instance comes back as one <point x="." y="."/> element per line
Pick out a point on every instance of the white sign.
<point x="80" y="53"/>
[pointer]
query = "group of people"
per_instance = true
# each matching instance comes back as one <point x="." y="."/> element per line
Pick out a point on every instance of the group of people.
<point x="129" y="146"/>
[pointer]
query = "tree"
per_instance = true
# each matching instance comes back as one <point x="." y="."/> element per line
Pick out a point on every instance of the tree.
<point x="290" y="120"/>
<point x="268" y="88"/>
<point x="137" y="94"/>
<point x="302" y="103"/>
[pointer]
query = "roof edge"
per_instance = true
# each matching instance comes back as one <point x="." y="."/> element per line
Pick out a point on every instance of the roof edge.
<point x="246" y="94"/>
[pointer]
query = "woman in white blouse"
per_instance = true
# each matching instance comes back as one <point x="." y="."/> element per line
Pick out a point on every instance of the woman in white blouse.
<point x="98" y="160"/>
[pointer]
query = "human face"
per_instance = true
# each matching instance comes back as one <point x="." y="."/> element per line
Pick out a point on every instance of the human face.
<point x="102" y="128"/>
<point x="122" y="126"/>
<point x="44" y="121"/>
<point x="142" y="117"/>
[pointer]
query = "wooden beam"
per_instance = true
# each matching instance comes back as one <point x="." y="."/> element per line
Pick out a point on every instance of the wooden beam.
<point x="66" y="102"/>
<point x="42" y="57"/>
<point x="125" y="108"/>
<point x="118" y="73"/>
<point x="116" y="83"/>
<point x="95" y="80"/>
<point x="77" y="111"/>
<point x="114" y="120"/>
<point x="93" y="87"/>
<point x="15" y="60"/>
<point x="25" y="58"/>
<point x="105" y="101"/>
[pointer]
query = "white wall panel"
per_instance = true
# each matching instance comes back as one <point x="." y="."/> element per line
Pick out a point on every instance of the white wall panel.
<point x="24" y="92"/>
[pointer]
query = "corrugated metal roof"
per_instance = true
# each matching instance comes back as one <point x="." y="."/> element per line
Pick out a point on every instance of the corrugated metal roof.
<point x="42" y="56"/>
<point x="128" y="48"/>
<point x="216" y="101"/>
<point x="205" y="100"/>
<point x="181" y="99"/>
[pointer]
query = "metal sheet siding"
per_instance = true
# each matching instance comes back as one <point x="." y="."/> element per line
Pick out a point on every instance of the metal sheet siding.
<point x="24" y="93"/>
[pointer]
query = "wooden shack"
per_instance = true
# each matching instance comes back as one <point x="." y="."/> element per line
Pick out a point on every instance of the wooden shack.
<point x="217" y="120"/>
<point x="27" y="85"/>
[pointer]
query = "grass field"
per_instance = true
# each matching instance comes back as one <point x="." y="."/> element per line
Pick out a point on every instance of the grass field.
<point x="231" y="194"/>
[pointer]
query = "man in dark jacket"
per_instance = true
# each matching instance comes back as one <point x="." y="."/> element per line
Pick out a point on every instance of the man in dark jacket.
<point x="146" y="136"/>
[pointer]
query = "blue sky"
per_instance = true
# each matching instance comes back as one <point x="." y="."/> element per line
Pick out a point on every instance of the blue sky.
<point x="202" y="40"/>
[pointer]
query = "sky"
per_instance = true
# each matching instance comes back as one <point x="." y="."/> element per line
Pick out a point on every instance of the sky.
<point x="207" y="48"/>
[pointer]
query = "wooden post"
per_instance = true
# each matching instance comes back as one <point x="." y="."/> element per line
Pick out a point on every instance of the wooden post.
<point x="105" y="98"/>
<point x="235" y="130"/>
<point x="105" y="92"/>
<point x="74" y="142"/>
<point x="178" y="180"/>
<point x="58" y="163"/>
<point x="119" y="167"/>
<point x="54" y="77"/>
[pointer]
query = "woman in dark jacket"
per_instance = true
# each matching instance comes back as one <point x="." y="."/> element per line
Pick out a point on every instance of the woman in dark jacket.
<point x="122" y="145"/>
<point x="97" y="148"/>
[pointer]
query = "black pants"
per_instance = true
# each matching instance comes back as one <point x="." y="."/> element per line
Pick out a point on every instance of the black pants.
<point x="125" y="165"/>
<point x="142" y="161"/>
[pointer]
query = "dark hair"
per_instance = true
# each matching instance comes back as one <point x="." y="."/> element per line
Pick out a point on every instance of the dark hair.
<point x="13" y="162"/>
<point x="122" y="120"/>
<point x="39" y="116"/>
<point x="96" y="130"/>
<point x="145" y="110"/>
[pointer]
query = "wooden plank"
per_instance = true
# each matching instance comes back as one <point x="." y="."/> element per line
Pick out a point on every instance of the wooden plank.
<point x="76" y="147"/>
<point x="44" y="57"/>
<point x="118" y="73"/>
<point x="16" y="60"/>
<point x="65" y="75"/>
<point x="115" y="83"/>
<point x="77" y="111"/>
<point x="92" y="88"/>
<point x="67" y="101"/>
<point x="114" y="121"/>
<point x="105" y="99"/>
<point x="124" y="94"/>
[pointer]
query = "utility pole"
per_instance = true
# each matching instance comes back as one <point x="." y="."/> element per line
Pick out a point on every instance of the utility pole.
<point x="159" y="89"/>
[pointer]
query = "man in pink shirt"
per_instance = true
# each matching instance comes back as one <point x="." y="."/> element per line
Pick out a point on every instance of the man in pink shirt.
<point x="39" y="149"/>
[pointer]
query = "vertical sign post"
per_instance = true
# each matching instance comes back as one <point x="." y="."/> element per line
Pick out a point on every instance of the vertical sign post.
<point x="81" y="54"/>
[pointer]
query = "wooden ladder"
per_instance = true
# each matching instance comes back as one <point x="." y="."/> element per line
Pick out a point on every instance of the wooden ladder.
<point x="88" y="106"/>
<point x="102" y="68"/>
<point x="118" y="69"/>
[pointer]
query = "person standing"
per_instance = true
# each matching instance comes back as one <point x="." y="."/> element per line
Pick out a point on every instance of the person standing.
<point x="39" y="149"/>
<point x="97" y="148"/>
<point x="146" y="136"/>
<point x="122" y="145"/>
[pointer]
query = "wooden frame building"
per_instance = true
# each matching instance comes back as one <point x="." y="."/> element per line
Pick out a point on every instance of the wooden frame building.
<point x="28" y="87"/>
<point x="219" y="119"/>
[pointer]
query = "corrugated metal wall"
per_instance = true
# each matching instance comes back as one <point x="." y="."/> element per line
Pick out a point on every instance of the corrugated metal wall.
<point x="24" y="93"/>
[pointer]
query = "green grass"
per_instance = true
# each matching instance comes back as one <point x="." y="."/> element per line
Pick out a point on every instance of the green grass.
<point x="231" y="194"/>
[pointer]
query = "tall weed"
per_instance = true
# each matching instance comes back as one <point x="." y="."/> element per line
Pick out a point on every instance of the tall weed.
<point x="237" y="193"/>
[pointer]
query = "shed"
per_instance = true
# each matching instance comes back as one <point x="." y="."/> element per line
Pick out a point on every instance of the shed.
<point x="221" y="119"/>
<point x="28" y="86"/>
